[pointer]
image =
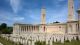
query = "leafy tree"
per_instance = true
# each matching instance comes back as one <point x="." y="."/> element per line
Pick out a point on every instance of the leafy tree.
<point x="4" y="29"/>
<point x="3" y="25"/>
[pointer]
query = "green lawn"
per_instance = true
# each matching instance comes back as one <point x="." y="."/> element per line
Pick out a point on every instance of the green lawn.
<point x="73" y="42"/>
<point x="7" y="42"/>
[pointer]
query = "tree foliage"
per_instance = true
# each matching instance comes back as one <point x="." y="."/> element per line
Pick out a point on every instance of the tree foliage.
<point x="4" y="29"/>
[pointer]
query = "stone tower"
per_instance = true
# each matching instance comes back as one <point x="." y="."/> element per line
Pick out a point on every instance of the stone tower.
<point x="78" y="11"/>
<point x="71" y="24"/>
<point x="43" y="15"/>
<point x="43" y="19"/>
<point x="70" y="10"/>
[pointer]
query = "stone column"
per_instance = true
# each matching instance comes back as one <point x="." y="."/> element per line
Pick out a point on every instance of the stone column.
<point x="20" y="29"/>
<point x="23" y="29"/>
<point x="78" y="11"/>
<point x="34" y="28"/>
<point x="28" y="28"/>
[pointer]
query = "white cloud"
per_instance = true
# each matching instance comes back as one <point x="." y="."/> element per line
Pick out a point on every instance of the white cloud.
<point x="15" y="4"/>
<point x="18" y="18"/>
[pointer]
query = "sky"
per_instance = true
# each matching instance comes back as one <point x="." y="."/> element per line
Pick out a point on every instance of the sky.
<point x="29" y="11"/>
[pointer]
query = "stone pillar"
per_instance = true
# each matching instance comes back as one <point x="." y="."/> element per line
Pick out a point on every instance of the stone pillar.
<point x="23" y="29"/>
<point x="28" y="28"/>
<point x="78" y="11"/>
<point x="32" y="29"/>
<point x="20" y="30"/>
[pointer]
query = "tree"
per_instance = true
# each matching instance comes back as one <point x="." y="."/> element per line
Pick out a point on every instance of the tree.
<point x="3" y="26"/>
<point x="4" y="29"/>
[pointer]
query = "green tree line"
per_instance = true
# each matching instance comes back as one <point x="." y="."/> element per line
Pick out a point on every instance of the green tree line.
<point x="4" y="29"/>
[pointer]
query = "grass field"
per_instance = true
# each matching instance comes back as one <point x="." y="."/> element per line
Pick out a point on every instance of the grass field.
<point x="73" y="42"/>
<point x="8" y="42"/>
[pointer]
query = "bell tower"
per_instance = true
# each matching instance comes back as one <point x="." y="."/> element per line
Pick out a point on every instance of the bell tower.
<point x="43" y="15"/>
<point x="78" y="11"/>
<point x="71" y="24"/>
<point x="71" y="10"/>
<point x="43" y="19"/>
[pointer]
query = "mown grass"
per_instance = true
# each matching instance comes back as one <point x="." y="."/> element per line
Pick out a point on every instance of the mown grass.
<point x="73" y="42"/>
<point x="7" y="42"/>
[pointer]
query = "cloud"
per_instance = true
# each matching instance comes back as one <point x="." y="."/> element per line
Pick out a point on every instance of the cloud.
<point x="15" y="4"/>
<point x="4" y="15"/>
<point x="18" y="18"/>
<point x="9" y="17"/>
